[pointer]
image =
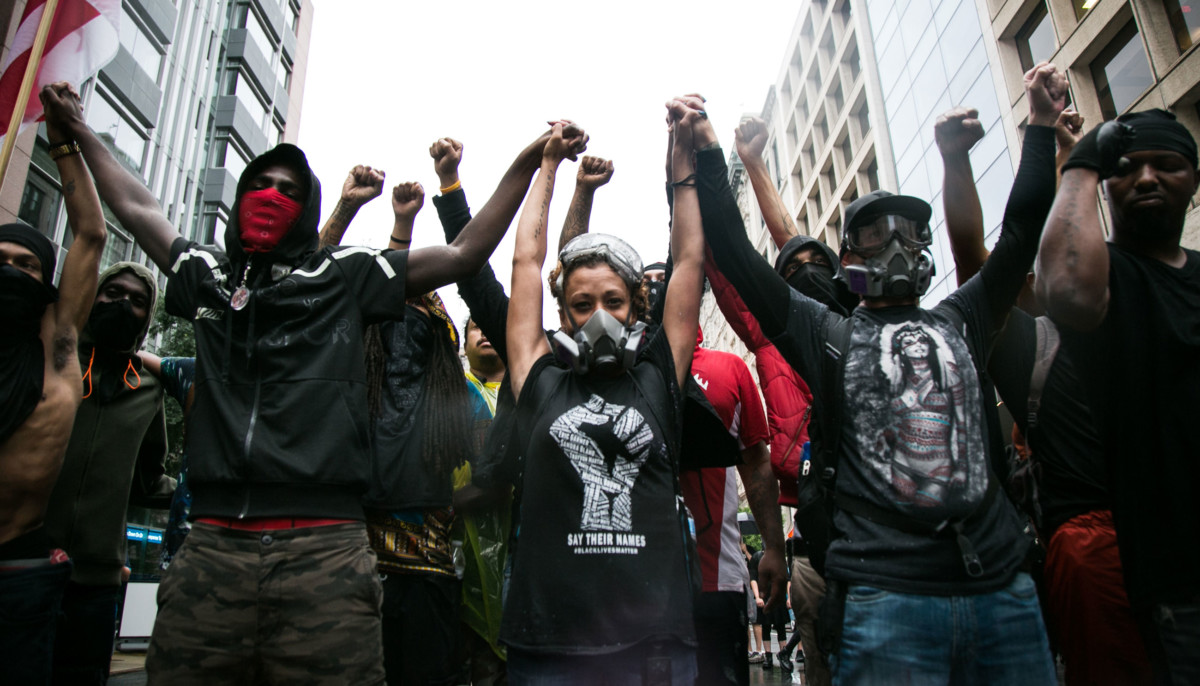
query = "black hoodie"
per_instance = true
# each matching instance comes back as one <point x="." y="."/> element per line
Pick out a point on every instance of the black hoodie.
<point x="280" y="425"/>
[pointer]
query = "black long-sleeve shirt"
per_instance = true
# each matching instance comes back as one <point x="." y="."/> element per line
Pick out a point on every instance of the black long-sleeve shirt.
<point x="915" y="437"/>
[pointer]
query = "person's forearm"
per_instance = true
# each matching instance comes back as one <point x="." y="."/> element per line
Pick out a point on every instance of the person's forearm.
<point x="84" y="215"/>
<point x="402" y="232"/>
<point x="779" y="221"/>
<point x="964" y="216"/>
<point x="764" y="292"/>
<point x="524" y="326"/>
<point x="335" y="227"/>
<point x="1072" y="263"/>
<point x="130" y="200"/>
<point x="470" y="250"/>
<point x="1004" y="274"/>
<point x="578" y="216"/>
<point x="762" y="494"/>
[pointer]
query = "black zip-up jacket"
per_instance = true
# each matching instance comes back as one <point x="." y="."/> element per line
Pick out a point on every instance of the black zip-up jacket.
<point x="279" y="427"/>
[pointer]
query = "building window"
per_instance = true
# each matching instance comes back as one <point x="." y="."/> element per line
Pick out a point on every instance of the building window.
<point x="139" y="44"/>
<point x="292" y="16"/>
<point x="258" y="34"/>
<point x="283" y="72"/>
<point x="227" y="155"/>
<point x="1035" y="40"/>
<point x="117" y="132"/>
<point x="39" y="204"/>
<point x="116" y="248"/>
<point x="1121" y="72"/>
<point x="1082" y="7"/>
<point x="240" y="86"/>
<point x="1185" y="21"/>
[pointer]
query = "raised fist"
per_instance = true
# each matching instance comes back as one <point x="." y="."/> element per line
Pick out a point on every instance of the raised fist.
<point x="1047" y="90"/>
<point x="407" y="199"/>
<point x="446" y="154"/>
<point x="593" y="172"/>
<point x="750" y="139"/>
<point x="363" y="184"/>
<point x="63" y="108"/>
<point x="1068" y="130"/>
<point x="957" y="130"/>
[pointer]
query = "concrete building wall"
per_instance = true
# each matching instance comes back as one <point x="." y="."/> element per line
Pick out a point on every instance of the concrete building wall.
<point x="1120" y="55"/>
<point x="197" y="89"/>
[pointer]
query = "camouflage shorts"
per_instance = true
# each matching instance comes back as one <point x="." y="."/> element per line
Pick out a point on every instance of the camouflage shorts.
<point x="298" y="606"/>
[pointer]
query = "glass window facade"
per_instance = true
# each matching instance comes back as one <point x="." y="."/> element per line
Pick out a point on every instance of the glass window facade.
<point x="39" y="204"/>
<point x="117" y="132"/>
<point x="1185" y="21"/>
<point x="1121" y="72"/>
<point x="931" y="58"/>
<point x="1035" y="40"/>
<point x="139" y="44"/>
<point x="258" y="34"/>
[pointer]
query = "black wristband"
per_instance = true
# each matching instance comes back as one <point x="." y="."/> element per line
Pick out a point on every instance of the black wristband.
<point x="402" y="240"/>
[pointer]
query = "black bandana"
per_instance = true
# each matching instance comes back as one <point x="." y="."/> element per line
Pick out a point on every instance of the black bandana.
<point x="23" y="303"/>
<point x="1158" y="130"/>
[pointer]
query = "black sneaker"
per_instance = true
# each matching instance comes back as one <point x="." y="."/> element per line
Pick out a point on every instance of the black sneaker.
<point x="800" y="656"/>
<point x="767" y="664"/>
<point x="785" y="663"/>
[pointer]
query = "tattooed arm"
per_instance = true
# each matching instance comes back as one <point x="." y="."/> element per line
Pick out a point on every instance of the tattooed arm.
<point x="593" y="173"/>
<point x="362" y="185"/>
<point x="1072" y="263"/>
<point x="750" y="139"/>
<point x="526" y="339"/>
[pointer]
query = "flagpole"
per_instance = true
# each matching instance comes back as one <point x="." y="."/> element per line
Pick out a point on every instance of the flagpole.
<point x="31" y="69"/>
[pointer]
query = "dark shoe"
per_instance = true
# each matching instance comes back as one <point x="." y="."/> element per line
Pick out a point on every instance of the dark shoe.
<point x="767" y="661"/>
<point x="800" y="656"/>
<point x="785" y="663"/>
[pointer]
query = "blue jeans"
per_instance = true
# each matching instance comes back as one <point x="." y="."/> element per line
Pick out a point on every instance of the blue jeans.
<point x="674" y="664"/>
<point x="30" y="600"/>
<point x="898" y="638"/>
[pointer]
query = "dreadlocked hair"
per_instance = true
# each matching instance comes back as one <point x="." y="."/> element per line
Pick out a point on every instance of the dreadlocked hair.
<point x="376" y="362"/>
<point x="445" y="415"/>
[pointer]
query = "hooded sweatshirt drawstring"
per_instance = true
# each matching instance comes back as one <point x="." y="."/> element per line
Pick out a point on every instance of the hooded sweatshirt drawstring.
<point x="87" y="376"/>
<point x="125" y="376"/>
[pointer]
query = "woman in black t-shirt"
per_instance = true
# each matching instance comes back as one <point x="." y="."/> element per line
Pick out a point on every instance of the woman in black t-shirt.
<point x="601" y="588"/>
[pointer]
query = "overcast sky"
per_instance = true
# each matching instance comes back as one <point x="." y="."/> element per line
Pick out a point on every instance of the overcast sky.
<point x="385" y="79"/>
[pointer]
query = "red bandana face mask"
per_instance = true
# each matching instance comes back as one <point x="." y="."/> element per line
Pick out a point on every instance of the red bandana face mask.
<point x="264" y="217"/>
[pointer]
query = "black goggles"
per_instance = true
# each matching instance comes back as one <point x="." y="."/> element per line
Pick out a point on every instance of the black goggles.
<point x="872" y="237"/>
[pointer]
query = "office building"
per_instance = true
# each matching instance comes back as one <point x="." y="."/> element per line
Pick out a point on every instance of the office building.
<point x="1120" y="55"/>
<point x="197" y="89"/>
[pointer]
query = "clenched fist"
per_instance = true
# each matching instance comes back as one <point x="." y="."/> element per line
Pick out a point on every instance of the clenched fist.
<point x="362" y="185"/>
<point x="446" y="154"/>
<point x="593" y="172"/>
<point x="407" y="199"/>
<point x="750" y="139"/>
<point x="957" y="130"/>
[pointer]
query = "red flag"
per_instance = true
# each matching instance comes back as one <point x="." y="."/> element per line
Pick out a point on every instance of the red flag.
<point x="83" y="38"/>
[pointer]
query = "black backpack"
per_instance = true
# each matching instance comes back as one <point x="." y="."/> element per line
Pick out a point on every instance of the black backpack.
<point x="1025" y="475"/>
<point x="817" y="498"/>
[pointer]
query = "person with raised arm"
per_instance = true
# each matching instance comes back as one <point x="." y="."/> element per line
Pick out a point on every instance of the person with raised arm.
<point x="920" y="531"/>
<point x="1083" y="595"/>
<point x="41" y="386"/>
<point x="1128" y="310"/>
<point x="600" y="504"/>
<point x="279" y="444"/>
<point x="593" y="173"/>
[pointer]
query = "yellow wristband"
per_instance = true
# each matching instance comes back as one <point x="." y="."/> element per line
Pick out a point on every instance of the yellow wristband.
<point x="68" y="148"/>
<point x="452" y="187"/>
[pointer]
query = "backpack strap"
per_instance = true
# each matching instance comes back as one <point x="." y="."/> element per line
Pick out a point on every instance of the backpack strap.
<point x="1047" y="350"/>
<point x="833" y="382"/>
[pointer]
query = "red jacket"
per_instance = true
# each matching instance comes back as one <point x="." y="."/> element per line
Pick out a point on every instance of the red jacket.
<point x="789" y="402"/>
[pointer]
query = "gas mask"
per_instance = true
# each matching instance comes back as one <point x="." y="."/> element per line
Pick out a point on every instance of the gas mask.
<point x="897" y="271"/>
<point x="603" y="344"/>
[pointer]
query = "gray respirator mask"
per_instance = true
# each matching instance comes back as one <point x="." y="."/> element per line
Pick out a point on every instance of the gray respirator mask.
<point x="603" y="344"/>
<point x="895" y="272"/>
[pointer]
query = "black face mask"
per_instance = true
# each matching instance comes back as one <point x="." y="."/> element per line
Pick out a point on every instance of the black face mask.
<point x="114" y="326"/>
<point x="817" y="282"/>
<point x="23" y="301"/>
